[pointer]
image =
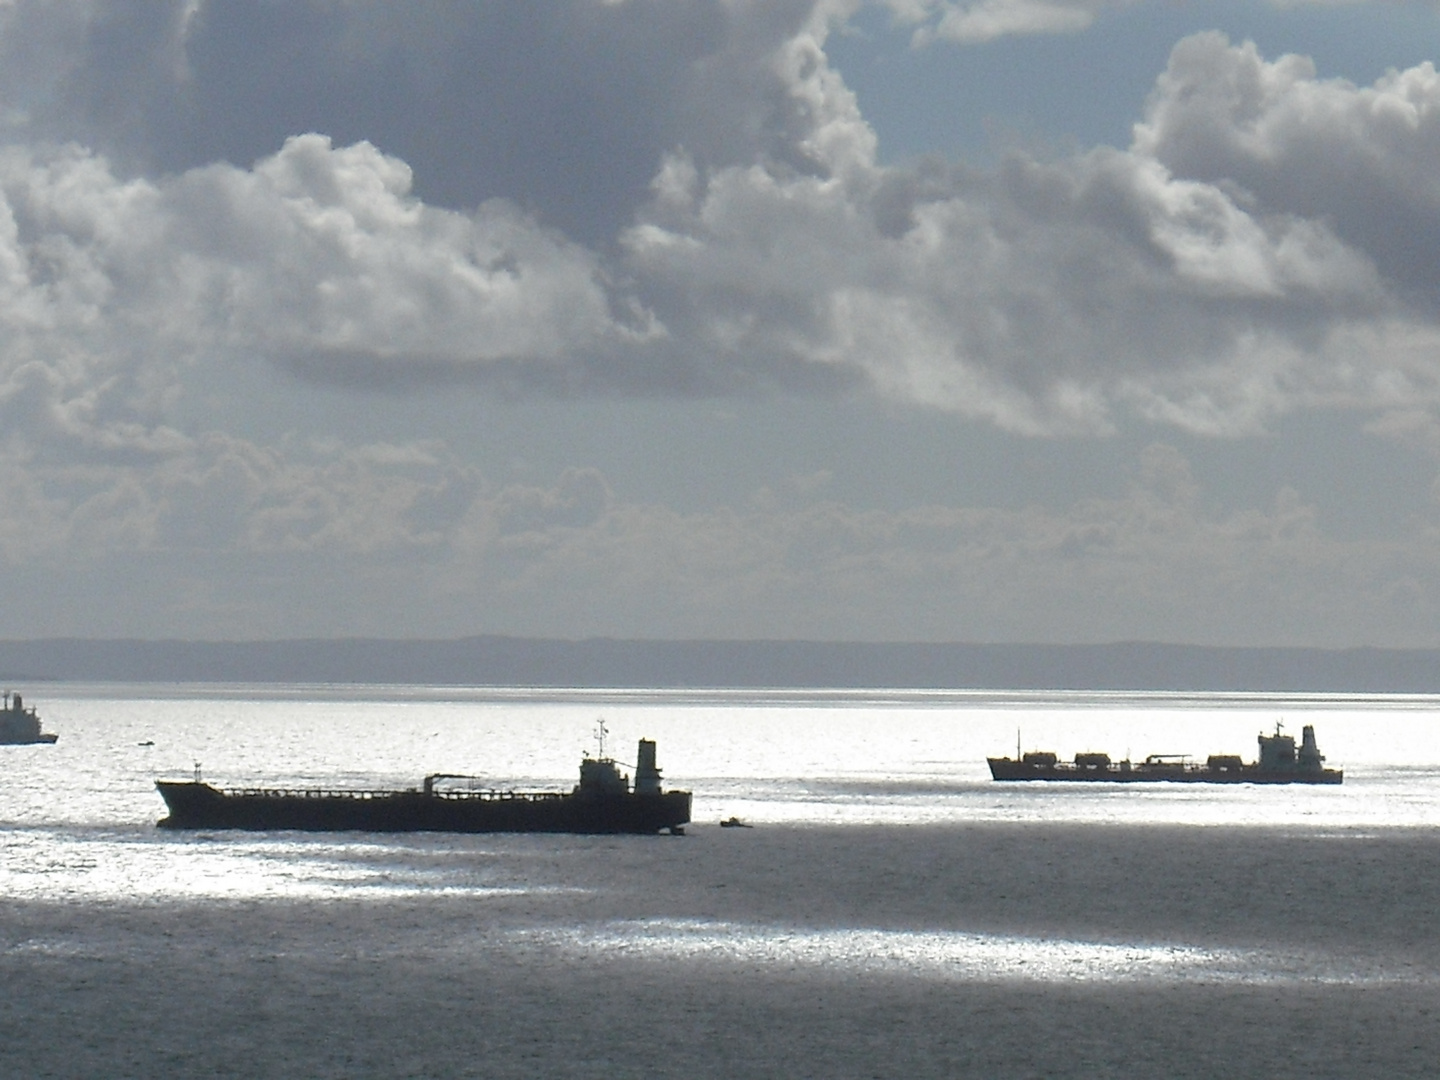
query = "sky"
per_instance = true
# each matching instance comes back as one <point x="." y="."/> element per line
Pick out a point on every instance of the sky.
<point x="902" y="320"/>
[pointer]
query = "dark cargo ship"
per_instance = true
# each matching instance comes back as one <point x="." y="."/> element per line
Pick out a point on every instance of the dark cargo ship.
<point x="602" y="802"/>
<point x="19" y="725"/>
<point x="1279" y="763"/>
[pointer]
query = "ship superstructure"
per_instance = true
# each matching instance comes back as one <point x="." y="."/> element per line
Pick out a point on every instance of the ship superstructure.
<point x="20" y="725"/>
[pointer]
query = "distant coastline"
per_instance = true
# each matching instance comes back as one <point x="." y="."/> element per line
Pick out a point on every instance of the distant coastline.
<point x="611" y="663"/>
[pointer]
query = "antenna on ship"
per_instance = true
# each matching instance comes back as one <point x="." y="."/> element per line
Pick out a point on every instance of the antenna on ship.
<point x="600" y="732"/>
<point x="197" y="772"/>
<point x="1017" y="744"/>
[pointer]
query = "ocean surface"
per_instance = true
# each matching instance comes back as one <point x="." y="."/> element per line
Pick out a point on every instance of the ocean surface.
<point x="893" y="912"/>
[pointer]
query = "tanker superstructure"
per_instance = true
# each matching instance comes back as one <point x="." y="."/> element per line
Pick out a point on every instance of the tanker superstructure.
<point x="1280" y="763"/>
<point x="602" y="802"/>
<point x="19" y="725"/>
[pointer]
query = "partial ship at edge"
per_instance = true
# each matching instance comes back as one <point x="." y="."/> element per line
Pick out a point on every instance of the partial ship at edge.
<point x="602" y="802"/>
<point x="1280" y="763"/>
<point x="20" y="726"/>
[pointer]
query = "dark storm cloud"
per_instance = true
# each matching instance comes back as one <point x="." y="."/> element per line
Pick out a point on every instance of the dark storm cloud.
<point x="564" y="107"/>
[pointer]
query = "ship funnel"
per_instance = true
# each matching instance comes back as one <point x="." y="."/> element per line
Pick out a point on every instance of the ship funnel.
<point x="647" y="776"/>
<point x="1310" y="756"/>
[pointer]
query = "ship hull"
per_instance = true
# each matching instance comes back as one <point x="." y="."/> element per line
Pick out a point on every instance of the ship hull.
<point x="45" y="738"/>
<point x="199" y="806"/>
<point x="1010" y="769"/>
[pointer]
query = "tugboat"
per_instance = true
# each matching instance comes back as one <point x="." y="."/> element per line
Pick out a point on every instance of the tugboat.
<point x="20" y="726"/>
<point x="602" y="802"/>
<point x="1279" y="764"/>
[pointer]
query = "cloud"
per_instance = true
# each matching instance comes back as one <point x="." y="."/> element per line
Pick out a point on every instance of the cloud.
<point x="970" y="23"/>
<point x="1047" y="296"/>
<point x="234" y="540"/>
<point x="221" y="495"/>
<point x="317" y="256"/>
<point x="672" y="197"/>
<point x="1152" y="561"/>
<point x="563" y="107"/>
<point x="1261" y="247"/>
<point x="1363" y="160"/>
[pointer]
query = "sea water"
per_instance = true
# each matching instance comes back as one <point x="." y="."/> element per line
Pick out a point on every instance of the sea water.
<point x="892" y="912"/>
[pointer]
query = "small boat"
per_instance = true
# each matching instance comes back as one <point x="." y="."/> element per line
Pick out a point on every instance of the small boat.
<point x="734" y="823"/>
<point x="20" y="726"/>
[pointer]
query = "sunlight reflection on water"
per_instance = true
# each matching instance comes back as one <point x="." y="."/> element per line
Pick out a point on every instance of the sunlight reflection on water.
<point x="826" y="757"/>
<point x="958" y="956"/>
<point x="895" y="913"/>
<point x="795" y="759"/>
<point x="42" y="865"/>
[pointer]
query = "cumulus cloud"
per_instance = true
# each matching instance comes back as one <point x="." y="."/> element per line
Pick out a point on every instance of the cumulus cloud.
<point x="970" y="22"/>
<point x="673" y="197"/>
<point x="563" y="107"/>
<point x="1363" y="160"/>
<point x="987" y="20"/>
<point x="1261" y="246"/>
<point x="317" y="256"/>
<point x="1047" y="295"/>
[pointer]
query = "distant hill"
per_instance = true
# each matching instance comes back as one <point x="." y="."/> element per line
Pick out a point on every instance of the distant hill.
<point x="604" y="662"/>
